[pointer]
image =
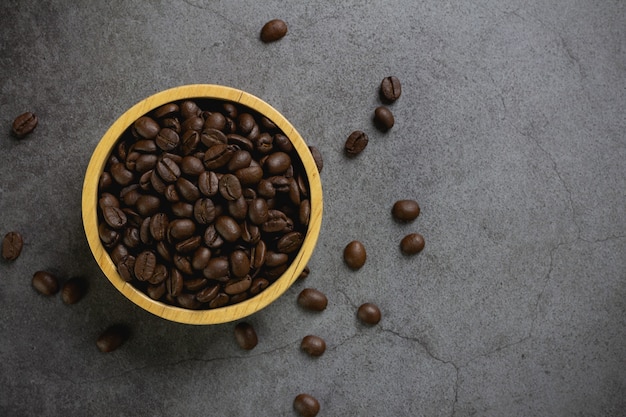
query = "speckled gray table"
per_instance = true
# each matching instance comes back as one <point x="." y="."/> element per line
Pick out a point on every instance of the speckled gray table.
<point x="510" y="132"/>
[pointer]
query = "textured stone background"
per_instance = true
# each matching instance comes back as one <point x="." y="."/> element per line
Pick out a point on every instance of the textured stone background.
<point x="511" y="133"/>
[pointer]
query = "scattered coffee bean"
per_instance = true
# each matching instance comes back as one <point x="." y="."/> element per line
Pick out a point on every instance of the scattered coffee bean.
<point x="313" y="345"/>
<point x="12" y="245"/>
<point x="24" y="124"/>
<point x="317" y="157"/>
<point x="273" y="30"/>
<point x="312" y="299"/>
<point x="112" y="338"/>
<point x="306" y="405"/>
<point x="354" y="254"/>
<point x="73" y="290"/>
<point x="369" y="313"/>
<point x="412" y="243"/>
<point x="246" y="336"/>
<point x="383" y="118"/>
<point x="45" y="283"/>
<point x="305" y="273"/>
<point x="356" y="143"/>
<point x="390" y="89"/>
<point x="405" y="210"/>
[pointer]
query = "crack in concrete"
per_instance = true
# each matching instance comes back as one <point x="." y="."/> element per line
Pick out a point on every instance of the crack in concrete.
<point x="208" y="9"/>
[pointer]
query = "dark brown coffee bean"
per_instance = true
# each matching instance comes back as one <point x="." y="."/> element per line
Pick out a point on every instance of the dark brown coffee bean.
<point x="188" y="245"/>
<point x="237" y="286"/>
<point x="277" y="163"/>
<point x="312" y="299"/>
<point x="228" y="228"/>
<point x="204" y="211"/>
<point x="131" y="237"/>
<point x="159" y="224"/>
<point x="193" y="123"/>
<point x="187" y="190"/>
<point x="168" y="170"/>
<point x="189" y="301"/>
<point x="273" y="259"/>
<point x="258" y="285"/>
<point x="239" y="264"/>
<point x="390" y="89"/>
<point x="126" y="268"/>
<point x="290" y="242"/>
<point x="129" y="195"/>
<point x="412" y="244"/>
<point x="273" y="30"/>
<point x="182" y="263"/>
<point x="109" y="237"/>
<point x="146" y="127"/>
<point x="405" y="210"/>
<point x="212" y="238"/>
<point x="356" y="143"/>
<point x="218" y="156"/>
<point x="277" y="221"/>
<point x="241" y="159"/>
<point x="180" y="229"/>
<point x="160" y="274"/>
<point x="164" y="250"/>
<point x="313" y="345"/>
<point x="215" y="120"/>
<point x="238" y="209"/>
<point x="306" y="405"/>
<point x="257" y="211"/>
<point x="12" y="245"/>
<point x="304" y="212"/>
<point x="174" y="283"/>
<point x="213" y="136"/>
<point x="240" y="142"/>
<point x="195" y="284"/>
<point x="192" y="166"/>
<point x="73" y="290"/>
<point x="24" y="124"/>
<point x="182" y="210"/>
<point x="208" y="294"/>
<point x="305" y="273"/>
<point x="317" y="157"/>
<point x="230" y="187"/>
<point x="249" y="176"/>
<point x="166" y="110"/>
<point x="112" y="338"/>
<point x="114" y="217"/>
<point x="383" y="118"/>
<point x="208" y="183"/>
<point x="144" y="265"/>
<point x="245" y="335"/>
<point x="354" y="254"/>
<point x="106" y="181"/>
<point x="369" y="313"/>
<point x="122" y="175"/>
<point x="147" y="205"/>
<point x="172" y="123"/>
<point x="190" y="141"/>
<point x="250" y="233"/>
<point x="118" y="253"/>
<point x="156" y="291"/>
<point x="157" y="183"/>
<point x="45" y="283"/>
<point x="145" y="163"/>
<point x="216" y="268"/>
<point x="258" y="254"/>
<point x="201" y="258"/>
<point x="219" y="301"/>
<point x="108" y="200"/>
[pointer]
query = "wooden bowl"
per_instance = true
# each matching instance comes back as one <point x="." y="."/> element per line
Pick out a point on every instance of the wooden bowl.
<point x="90" y="204"/>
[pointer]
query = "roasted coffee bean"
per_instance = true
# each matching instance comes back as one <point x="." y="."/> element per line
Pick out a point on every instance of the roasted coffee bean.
<point x="277" y="221"/>
<point x="106" y="181"/>
<point x="257" y="211"/>
<point x="156" y="291"/>
<point x="182" y="263"/>
<point x="190" y="141"/>
<point x="215" y="120"/>
<point x="131" y="237"/>
<point x="405" y="210"/>
<point x="204" y="211"/>
<point x="356" y="143"/>
<point x="188" y="245"/>
<point x="258" y="285"/>
<point x="146" y="127"/>
<point x="12" y="245"/>
<point x="228" y="228"/>
<point x="249" y="176"/>
<point x="193" y="123"/>
<point x="213" y="136"/>
<point x="412" y="244"/>
<point x="390" y="89"/>
<point x="129" y="195"/>
<point x="186" y="300"/>
<point x="147" y="205"/>
<point x="220" y="300"/>
<point x="240" y="142"/>
<point x="182" y="209"/>
<point x="24" y="124"/>
<point x="164" y="251"/>
<point x="241" y="159"/>
<point x="189" y="108"/>
<point x="218" y="156"/>
<point x="195" y="284"/>
<point x="383" y="118"/>
<point x="168" y="170"/>
<point x="166" y="110"/>
<point x="312" y="299"/>
<point x="187" y="190"/>
<point x="145" y="163"/>
<point x="118" y="253"/>
<point x="172" y="123"/>
<point x="122" y="175"/>
<point x="208" y="293"/>
<point x="306" y="405"/>
<point x="108" y="200"/>
<point x="304" y="212"/>
<point x="238" y="209"/>
<point x="230" y="187"/>
<point x="144" y="265"/>
<point x="277" y="163"/>
<point x="245" y="335"/>
<point x="212" y="238"/>
<point x="317" y="157"/>
<point x="192" y="166"/>
<point x="313" y="345"/>
<point x="201" y="258"/>
<point x="167" y="139"/>
<point x="114" y="217"/>
<point x="216" y="268"/>
<point x="180" y="229"/>
<point x="208" y="183"/>
<point x="174" y="283"/>
<point x="45" y="283"/>
<point x="239" y="264"/>
<point x="160" y="274"/>
<point x="274" y="259"/>
<point x="290" y="242"/>
<point x="369" y="313"/>
<point x="273" y="30"/>
<point x="157" y="183"/>
<point x="126" y="268"/>
<point x="134" y="219"/>
<point x="73" y="290"/>
<point x="305" y="273"/>
<point x="266" y="189"/>
<point x="159" y="224"/>
<point x="109" y="237"/>
<point x="112" y="338"/>
<point x="237" y="286"/>
<point x="354" y="254"/>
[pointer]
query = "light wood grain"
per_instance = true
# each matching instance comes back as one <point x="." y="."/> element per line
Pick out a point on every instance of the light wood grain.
<point x="90" y="201"/>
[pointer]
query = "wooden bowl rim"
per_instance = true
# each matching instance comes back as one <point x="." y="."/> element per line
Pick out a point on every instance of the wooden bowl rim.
<point x="90" y="201"/>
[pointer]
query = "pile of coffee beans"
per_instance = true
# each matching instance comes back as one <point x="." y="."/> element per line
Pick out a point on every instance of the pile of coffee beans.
<point x="203" y="203"/>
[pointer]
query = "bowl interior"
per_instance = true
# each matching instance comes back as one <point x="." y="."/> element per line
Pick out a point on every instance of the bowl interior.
<point x="90" y="203"/>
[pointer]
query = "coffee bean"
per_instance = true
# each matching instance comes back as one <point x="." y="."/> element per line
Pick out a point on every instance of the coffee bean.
<point x="174" y="283"/>
<point x="306" y="405"/>
<point x="168" y="170"/>
<point x="369" y="313"/>
<point x="290" y="242"/>
<point x="186" y="300"/>
<point x="245" y="335"/>
<point x="12" y="245"/>
<point x="317" y="157"/>
<point x="277" y="163"/>
<point x="354" y="254"/>
<point x="166" y="110"/>
<point x="73" y="290"/>
<point x="258" y="285"/>
<point x="219" y="301"/>
<point x="237" y="286"/>
<point x="24" y="124"/>
<point x="145" y="265"/>
<point x="159" y="224"/>
<point x="383" y="118"/>
<point x="112" y="338"/>
<point x="228" y="228"/>
<point x="312" y="299"/>
<point x="208" y="294"/>
<point x="412" y="244"/>
<point x="147" y="205"/>
<point x="313" y="345"/>
<point x="273" y="30"/>
<point x="146" y="127"/>
<point x="305" y="273"/>
<point x="45" y="283"/>
<point x="356" y="143"/>
<point x="239" y="264"/>
<point x="405" y="210"/>
<point x="204" y="211"/>
<point x="217" y="268"/>
<point x="390" y="89"/>
<point x="230" y="187"/>
<point x="181" y="229"/>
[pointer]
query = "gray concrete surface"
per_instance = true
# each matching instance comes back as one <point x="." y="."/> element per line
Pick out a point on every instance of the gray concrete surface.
<point x="510" y="132"/>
